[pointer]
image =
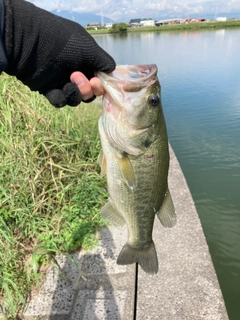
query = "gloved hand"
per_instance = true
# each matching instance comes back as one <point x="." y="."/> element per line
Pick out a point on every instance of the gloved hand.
<point x="44" y="49"/>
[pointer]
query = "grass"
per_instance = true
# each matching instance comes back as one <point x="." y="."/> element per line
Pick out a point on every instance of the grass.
<point x="50" y="189"/>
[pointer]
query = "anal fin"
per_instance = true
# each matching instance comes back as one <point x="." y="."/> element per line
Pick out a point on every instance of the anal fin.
<point x="166" y="213"/>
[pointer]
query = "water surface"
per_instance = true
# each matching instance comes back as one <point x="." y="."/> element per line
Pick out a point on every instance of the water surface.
<point x="199" y="73"/>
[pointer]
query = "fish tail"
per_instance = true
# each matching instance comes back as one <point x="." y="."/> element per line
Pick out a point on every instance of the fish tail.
<point x="147" y="257"/>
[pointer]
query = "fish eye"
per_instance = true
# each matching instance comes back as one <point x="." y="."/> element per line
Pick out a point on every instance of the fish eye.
<point x="153" y="100"/>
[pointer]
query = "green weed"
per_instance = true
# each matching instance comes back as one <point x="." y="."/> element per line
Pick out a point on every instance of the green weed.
<point x="50" y="190"/>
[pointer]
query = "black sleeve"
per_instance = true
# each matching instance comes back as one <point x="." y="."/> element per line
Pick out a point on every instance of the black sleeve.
<point x="43" y="50"/>
<point x="3" y="57"/>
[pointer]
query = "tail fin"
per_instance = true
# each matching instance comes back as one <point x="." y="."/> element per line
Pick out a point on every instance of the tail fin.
<point x="147" y="257"/>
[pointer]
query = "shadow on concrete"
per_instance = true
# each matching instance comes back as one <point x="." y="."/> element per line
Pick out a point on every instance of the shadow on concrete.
<point x="88" y="286"/>
<point x="79" y="286"/>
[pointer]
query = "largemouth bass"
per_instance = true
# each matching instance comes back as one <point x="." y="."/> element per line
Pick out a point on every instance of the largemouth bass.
<point x="136" y="160"/>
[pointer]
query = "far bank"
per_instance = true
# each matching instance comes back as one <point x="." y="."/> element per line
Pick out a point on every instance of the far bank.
<point x="178" y="27"/>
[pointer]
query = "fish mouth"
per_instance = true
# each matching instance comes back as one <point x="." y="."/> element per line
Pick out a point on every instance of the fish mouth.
<point x="134" y="73"/>
<point x="131" y="77"/>
<point x="127" y="79"/>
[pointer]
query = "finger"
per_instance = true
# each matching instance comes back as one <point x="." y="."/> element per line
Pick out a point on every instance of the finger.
<point x="97" y="87"/>
<point x="83" y="84"/>
<point x="56" y="97"/>
<point x="104" y="62"/>
<point x="72" y="94"/>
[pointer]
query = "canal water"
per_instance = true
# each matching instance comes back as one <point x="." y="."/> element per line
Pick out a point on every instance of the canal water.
<point x="199" y="73"/>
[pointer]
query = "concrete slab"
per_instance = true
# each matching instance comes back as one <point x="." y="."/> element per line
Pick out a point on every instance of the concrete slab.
<point x="91" y="286"/>
<point x="99" y="304"/>
<point x="95" y="287"/>
<point x="186" y="286"/>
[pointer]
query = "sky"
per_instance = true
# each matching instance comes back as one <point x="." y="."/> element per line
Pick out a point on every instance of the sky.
<point x="123" y="10"/>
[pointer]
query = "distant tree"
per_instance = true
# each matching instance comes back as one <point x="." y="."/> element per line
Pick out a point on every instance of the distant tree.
<point x="118" y="28"/>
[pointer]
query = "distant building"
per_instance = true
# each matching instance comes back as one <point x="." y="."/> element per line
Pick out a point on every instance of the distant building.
<point x="108" y="25"/>
<point x="147" y="22"/>
<point x="221" y="19"/>
<point x="186" y="20"/>
<point x="168" y="21"/>
<point x="197" y="20"/>
<point x="94" y="25"/>
<point x="134" y="22"/>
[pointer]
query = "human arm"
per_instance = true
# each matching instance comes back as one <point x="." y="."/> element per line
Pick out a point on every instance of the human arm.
<point x="3" y="57"/>
<point x="43" y="50"/>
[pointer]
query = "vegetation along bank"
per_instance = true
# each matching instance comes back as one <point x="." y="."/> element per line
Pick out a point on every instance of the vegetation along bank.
<point x="123" y="27"/>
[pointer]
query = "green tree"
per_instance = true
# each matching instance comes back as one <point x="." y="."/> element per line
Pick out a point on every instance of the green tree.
<point x="118" y="28"/>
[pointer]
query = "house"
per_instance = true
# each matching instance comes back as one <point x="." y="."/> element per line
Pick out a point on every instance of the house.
<point x="108" y="25"/>
<point x="94" y="25"/>
<point x="168" y="21"/>
<point x="221" y="19"/>
<point x="147" y="22"/>
<point x="186" y="20"/>
<point x="134" y="22"/>
<point x="197" y="20"/>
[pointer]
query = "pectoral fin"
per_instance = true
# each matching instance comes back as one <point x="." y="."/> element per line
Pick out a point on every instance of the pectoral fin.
<point x="126" y="169"/>
<point x="110" y="213"/>
<point x="166" y="214"/>
<point x="103" y="164"/>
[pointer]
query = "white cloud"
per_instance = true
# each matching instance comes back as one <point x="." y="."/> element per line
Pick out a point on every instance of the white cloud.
<point x="157" y="6"/>
<point x="126" y="9"/>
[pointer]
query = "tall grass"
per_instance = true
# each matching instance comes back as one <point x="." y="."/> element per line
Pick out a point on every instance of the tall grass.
<point x="50" y="190"/>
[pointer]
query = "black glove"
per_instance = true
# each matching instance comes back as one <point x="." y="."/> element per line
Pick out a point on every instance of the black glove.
<point x="44" y="49"/>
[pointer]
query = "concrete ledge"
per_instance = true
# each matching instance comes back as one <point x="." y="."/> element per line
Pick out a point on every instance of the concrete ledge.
<point x="186" y="286"/>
